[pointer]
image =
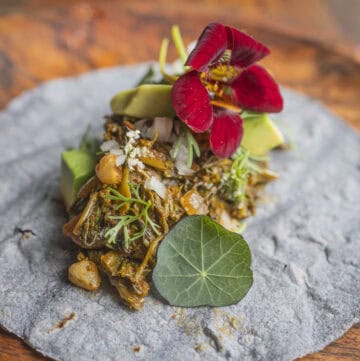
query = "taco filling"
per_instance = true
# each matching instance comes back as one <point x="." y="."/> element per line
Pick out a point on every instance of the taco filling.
<point x="193" y="142"/>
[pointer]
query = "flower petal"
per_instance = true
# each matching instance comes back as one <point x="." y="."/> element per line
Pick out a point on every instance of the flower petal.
<point x="191" y="102"/>
<point x="226" y="133"/>
<point x="245" y="50"/>
<point x="255" y="89"/>
<point x="210" y="47"/>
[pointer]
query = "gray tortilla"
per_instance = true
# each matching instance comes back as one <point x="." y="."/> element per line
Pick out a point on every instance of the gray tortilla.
<point x="305" y="241"/>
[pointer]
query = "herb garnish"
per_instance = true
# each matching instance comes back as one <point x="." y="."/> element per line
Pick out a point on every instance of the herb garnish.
<point x="236" y="180"/>
<point x="126" y="220"/>
<point x="201" y="263"/>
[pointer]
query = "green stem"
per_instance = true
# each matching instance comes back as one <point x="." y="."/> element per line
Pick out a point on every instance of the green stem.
<point x="176" y="148"/>
<point x="179" y="44"/>
<point x="118" y="196"/>
<point x="195" y="146"/>
<point x="163" y="55"/>
<point x="162" y="61"/>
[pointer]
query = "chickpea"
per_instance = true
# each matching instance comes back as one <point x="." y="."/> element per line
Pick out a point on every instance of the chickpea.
<point x="85" y="274"/>
<point x="107" y="171"/>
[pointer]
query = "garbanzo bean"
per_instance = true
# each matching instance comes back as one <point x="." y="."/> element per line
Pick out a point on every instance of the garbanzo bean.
<point x="85" y="274"/>
<point x="107" y="171"/>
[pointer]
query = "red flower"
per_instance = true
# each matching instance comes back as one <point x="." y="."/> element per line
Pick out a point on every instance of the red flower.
<point x="223" y="81"/>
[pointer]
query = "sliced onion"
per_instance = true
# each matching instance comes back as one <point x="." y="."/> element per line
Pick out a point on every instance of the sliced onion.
<point x="154" y="184"/>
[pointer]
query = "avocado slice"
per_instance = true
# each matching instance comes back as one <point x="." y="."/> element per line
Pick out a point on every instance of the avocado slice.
<point x="145" y="101"/>
<point x="260" y="134"/>
<point x="77" y="167"/>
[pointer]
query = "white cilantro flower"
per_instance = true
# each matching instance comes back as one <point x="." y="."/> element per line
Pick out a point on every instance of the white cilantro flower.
<point x="129" y="153"/>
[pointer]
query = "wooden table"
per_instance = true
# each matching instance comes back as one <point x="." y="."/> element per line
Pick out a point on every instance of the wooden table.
<point x="313" y="46"/>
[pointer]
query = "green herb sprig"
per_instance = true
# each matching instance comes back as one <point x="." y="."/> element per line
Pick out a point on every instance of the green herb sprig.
<point x="126" y="220"/>
<point x="236" y="179"/>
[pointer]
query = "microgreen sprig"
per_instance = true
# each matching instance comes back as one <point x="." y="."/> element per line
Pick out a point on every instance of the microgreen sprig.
<point x="179" y="45"/>
<point x="124" y="221"/>
<point x="236" y="179"/>
<point x="175" y="150"/>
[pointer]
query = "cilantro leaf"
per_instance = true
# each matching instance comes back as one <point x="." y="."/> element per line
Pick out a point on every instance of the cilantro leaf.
<point x="201" y="263"/>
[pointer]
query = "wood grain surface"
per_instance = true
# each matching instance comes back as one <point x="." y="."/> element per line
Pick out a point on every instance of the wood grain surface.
<point x="315" y="49"/>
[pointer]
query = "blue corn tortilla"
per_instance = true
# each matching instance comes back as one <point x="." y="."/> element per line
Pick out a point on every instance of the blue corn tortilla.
<point x="304" y="240"/>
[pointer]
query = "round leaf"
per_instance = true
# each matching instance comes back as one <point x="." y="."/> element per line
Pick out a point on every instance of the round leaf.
<point x="201" y="263"/>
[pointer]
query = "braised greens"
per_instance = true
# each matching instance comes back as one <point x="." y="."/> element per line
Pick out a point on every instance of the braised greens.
<point x="119" y="223"/>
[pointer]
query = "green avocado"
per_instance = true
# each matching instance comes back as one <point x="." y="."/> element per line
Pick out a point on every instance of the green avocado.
<point x="77" y="167"/>
<point x="260" y="134"/>
<point x="145" y="101"/>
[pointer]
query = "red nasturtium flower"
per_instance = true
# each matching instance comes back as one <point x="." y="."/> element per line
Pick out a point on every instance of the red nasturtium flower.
<point x="222" y="81"/>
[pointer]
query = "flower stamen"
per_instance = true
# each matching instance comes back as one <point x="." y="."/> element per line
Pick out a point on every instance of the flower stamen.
<point x="221" y="104"/>
<point x="223" y="73"/>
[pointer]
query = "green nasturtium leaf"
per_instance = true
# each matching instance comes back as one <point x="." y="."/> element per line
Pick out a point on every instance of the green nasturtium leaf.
<point x="201" y="263"/>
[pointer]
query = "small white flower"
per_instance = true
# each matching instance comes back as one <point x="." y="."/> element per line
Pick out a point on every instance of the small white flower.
<point x="128" y="148"/>
<point x="129" y="153"/>
<point x="133" y="134"/>
<point x="132" y="163"/>
<point x="136" y="152"/>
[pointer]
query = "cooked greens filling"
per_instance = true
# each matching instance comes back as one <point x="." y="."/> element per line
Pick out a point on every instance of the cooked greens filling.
<point x="140" y="191"/>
